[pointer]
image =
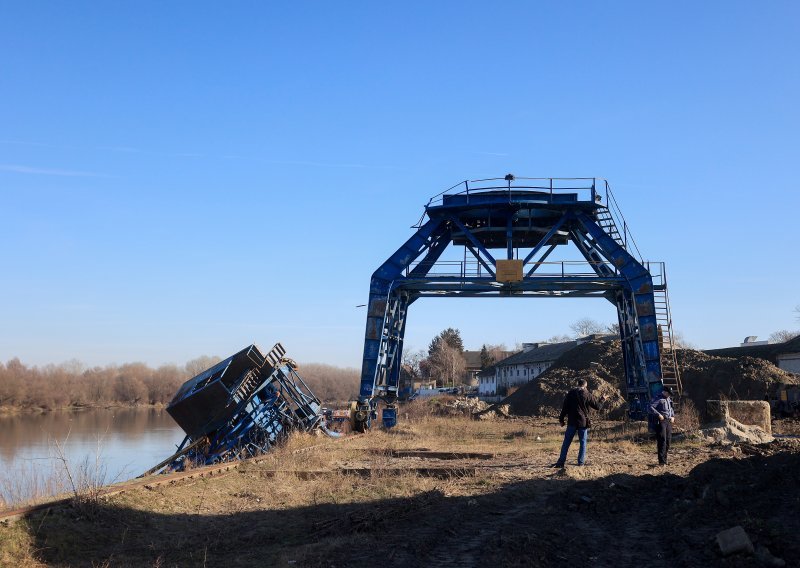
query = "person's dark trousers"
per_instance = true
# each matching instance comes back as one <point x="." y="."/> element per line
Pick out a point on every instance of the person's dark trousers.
<point x="663" y="439"/>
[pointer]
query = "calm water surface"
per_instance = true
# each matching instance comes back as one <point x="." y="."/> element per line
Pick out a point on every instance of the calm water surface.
<point x="124" y="441"/>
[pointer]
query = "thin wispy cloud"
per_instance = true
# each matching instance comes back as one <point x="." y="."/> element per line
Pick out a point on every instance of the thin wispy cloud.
<point x="143" y="152"/>
<point x="29" y="170"/>
<point x="105" y="148"/>
<point x="328" y="164"/>
<point x="501" y="154"/>
<point x="125" y="149"/>
<point x="36" y="144"/>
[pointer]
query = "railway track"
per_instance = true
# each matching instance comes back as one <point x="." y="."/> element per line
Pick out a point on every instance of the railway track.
<point x="436" y="471"/>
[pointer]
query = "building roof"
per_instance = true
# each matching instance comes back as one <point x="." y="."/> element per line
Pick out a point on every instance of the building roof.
<point x="488" y="371"/>
<point x="769" y="352"/>
<point x="472" y="359"/>
<point x="541" y="354"/>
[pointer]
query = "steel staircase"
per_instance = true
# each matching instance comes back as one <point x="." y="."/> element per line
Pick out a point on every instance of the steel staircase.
<point x="606" y="222"/>
<point x="669" y="364"/>
<point x="247" y="387"/>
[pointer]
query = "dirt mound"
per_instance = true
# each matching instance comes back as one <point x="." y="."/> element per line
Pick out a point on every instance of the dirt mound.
<point x="545" y="397"/>
<point x="704" y="377"/>
<point x="595" y="361"/>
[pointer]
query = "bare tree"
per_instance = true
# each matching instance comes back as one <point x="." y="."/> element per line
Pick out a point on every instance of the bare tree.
<point x="447" y="364"/>
<point x="329" y="383"/>
<point x="613" y="328"/>
<point x="783" y="335"/>
<point x="680" y="342"/>
<point x="200" y="364"/>
<point x="797" y="311"/>
<point x="559" y="339"/>
<point x="412" y="361"/>
<point x="586" y="326"/>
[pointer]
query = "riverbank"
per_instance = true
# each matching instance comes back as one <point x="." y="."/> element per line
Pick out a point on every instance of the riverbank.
<point x="437" y="491"/>
<point x="10" y="410"/>
<point x="105" y="444"/>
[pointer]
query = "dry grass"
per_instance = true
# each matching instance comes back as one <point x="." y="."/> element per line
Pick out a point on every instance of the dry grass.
<point x="304" y="497"/>
<point x="687" y="419"/>
<point x="29" y="484"/>
<point x="17" y="546"/>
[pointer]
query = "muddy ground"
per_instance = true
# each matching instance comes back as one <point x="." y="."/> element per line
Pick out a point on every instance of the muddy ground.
<point x="443" y="492"/>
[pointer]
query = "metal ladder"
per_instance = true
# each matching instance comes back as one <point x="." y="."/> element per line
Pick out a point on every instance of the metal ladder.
<point x="606" y="222"/>
<point x="670" y="373"/>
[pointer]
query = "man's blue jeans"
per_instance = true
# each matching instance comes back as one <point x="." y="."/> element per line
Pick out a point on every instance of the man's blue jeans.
<point x="583" y="435"/>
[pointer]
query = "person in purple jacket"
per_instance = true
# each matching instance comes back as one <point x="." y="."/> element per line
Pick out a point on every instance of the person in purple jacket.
<point x="663" y="415"/>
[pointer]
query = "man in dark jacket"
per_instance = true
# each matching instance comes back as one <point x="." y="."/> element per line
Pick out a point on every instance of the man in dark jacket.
<point x="663" y="415"/>
<point x="576" y="412"/>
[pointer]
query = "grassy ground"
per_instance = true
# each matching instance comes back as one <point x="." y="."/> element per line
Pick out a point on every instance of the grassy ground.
<point x="390" y="498"/>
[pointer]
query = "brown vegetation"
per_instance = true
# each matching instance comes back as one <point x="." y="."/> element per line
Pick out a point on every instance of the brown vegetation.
<point x="57" y="386"/>
<point x="71" y="385"/>
<point x="329" y="383"/>
<point x="481" y="488"/>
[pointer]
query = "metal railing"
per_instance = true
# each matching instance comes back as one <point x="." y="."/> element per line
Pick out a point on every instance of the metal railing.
<point x="619" y="219"/>
<point x="549" y="269"/>
<point x="473" y="268"/>
<point x="585" y="187"/>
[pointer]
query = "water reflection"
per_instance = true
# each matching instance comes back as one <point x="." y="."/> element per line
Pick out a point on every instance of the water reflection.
<point x="127" y="441"/>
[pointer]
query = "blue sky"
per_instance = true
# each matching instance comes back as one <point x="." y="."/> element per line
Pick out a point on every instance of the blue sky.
<point x="184" y="178"/>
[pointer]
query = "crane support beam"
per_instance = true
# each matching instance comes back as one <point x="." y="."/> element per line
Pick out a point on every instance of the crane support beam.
<point x="519" y="216"/>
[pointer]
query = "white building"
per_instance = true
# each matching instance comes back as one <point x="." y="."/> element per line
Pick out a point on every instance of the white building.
<point x="525" y="366"/>
<point x="532" y="361"/>
<point x="487" y="383"/>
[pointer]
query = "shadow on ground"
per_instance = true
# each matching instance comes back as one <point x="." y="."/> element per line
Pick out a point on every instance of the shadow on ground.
<point x="618" y="520"/>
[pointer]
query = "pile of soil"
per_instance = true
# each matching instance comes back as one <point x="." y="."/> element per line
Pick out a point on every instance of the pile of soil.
<point x="704" y="377"/>
<point x="596" y="361"/>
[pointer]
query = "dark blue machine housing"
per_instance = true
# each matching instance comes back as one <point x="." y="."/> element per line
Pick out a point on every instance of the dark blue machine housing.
<point x="241" y="407"/>
<point x="526" y="219"/>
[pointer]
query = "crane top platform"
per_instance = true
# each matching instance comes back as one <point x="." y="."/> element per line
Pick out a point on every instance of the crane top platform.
<point x="521" y="192"/>
<point x="499" y="211"/>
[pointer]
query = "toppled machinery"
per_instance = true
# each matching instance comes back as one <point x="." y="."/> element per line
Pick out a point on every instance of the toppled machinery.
<point x="241" y="407"/>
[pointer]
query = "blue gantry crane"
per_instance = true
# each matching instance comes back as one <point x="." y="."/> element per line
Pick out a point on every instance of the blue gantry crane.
<point x="508" y="228"/>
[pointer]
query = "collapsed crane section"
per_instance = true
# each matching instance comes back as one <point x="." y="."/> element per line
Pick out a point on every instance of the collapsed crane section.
<point x="241" y="407"/>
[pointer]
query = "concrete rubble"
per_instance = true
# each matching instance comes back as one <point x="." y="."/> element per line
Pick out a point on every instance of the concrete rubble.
<point x="734" y="540"/>
<point x="730" y="431"/>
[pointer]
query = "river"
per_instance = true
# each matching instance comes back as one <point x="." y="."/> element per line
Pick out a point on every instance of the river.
<point x="105" y="445"/>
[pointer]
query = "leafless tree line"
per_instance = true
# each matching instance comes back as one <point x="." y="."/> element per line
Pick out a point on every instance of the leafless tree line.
<point x="72" y="385"/>
<point x="329" y="383"/>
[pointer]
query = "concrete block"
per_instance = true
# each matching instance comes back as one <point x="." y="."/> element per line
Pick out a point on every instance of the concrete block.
<point x="734" y="540"/>
<point x="747" y="412"/>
